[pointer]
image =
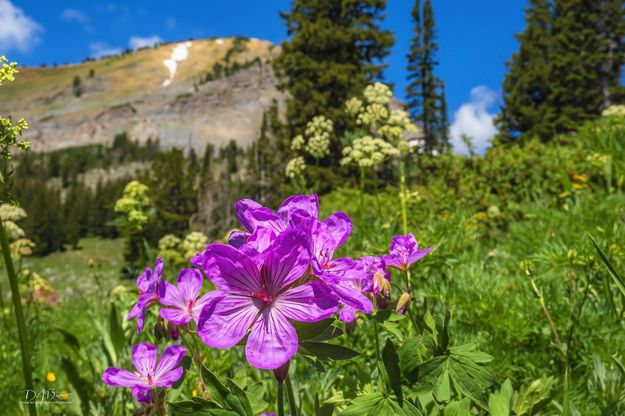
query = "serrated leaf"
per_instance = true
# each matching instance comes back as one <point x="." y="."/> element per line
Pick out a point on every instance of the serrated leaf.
<point x="499" y="402"/>
<point x="458" y="408"/>
<point x="241" y="396"/>
<point x="442" y="388"/>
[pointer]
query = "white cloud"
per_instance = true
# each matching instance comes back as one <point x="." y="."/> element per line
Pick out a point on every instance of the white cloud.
<point x="73" y="15"/>
<point x="101" y="49"/>
<point x="475" y="120"/>
<point x="137" y="42"/>
<point x="17" y="30"/>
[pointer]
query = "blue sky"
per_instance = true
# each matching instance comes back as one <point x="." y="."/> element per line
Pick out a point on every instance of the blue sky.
<point x="475" y="37"/>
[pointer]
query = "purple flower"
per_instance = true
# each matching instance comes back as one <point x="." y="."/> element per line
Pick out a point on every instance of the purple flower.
<point x="184" y="298"/>
<point x="404" y="252"/>
<point x="258" y="297"/>
<point x="148" y="374"/>
<point x="252" y="215"/>
<point x="150" y="284"/>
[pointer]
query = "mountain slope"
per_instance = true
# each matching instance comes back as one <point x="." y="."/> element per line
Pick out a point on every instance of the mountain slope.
<point x="178" y="93"/>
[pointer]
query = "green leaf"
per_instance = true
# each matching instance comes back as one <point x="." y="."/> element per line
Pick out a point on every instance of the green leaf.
<point x="410" y="354"/>
<point x="442" y="388"/>
<point x="499" y="402"/>
<point x="391" y="363"/>
<point x="70" y="339"/>
<point x="306" y="331"/>
<point x="246" y="407"/>
<point x="189" y="407"/>
<point x="458" y="408"/>
<point x="618" y="280"/>
<point x="115" y="329"/>
<point x="364" y="405"/>
<point x="325" y="351"/>
<point x="82" y="386"/>
<point x="313" y="361"/>
<point x="216" y="390"/>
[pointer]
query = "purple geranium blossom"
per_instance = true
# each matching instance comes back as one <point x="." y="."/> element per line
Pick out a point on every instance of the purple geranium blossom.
<point x="150" y="284"/>
<point x="360" y="276"/>
<point x="404" y="252"/>
<point x="148" y="374"/>
<point x="260" y="298"/>
<point x="252" y="215"/>
<point x="184" y="298"/>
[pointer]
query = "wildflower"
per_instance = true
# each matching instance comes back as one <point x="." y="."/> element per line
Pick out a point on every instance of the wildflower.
<point x="148" y="374"/>
<point x="404" y="252"/>
<point x="150" y="284"/>
<point x="184" y="298"/>
<point x="51" y="377"/>
<point x="295" y="167"/>
<point x="64" y="395"/>
<point x="261" y="298"/>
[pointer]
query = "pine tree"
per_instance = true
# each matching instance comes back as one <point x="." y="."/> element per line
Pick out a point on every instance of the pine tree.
<point x="611" y="30"/>
<point x="426" y="92"/>
<point x="334" y="52"/>
<point x="526" y="86"/>
<point x="575" y="59"/>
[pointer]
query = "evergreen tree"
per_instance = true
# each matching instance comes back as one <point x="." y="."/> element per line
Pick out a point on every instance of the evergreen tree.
<point x="426" y="92"/>
<point x="334" y="52"/>
<point x="526" y="86"/>
<point x="611" y="30"/>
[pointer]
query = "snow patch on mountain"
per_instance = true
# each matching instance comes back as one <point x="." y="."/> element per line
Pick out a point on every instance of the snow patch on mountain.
<point x="178" y="54"/>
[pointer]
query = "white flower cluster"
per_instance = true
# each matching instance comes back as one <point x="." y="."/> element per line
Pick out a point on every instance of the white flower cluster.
<point x="367" y="152"/>
<point x="133" y="205"/>
<point x="295" y="167"/>
<point x="614" y="111"/>
<point x="397" y="124"/>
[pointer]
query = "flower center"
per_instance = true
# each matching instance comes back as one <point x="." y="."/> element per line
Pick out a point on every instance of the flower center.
<point x="190" y="306"/>
<point x="150" y="380"/>
<point x="265" y="297"/>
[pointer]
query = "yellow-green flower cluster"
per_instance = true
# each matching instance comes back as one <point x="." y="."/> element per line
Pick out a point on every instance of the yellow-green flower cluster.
<point x="295" y="167"/>
<point x="614" y="111"/>
<point x="7" y="70"/>
<point x="367" y="152"/>
<point x="193" y="243"/>
<point x="298" y="142"/>
<point x="9" y="214"/>
<point x="133" y="206"/>
<point x="319" y="131"/>
<point x="397" y="124"/>
<point x="178" y="251"/>
<point x="378" y="93"/>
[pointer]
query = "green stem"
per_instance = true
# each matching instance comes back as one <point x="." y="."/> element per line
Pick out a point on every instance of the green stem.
<point x="280" y="399"/>
<point x="291" y="396"/>
<point x="19" y="315"/>
<point x="402" y="194"/>
<point x="362" y="188"/>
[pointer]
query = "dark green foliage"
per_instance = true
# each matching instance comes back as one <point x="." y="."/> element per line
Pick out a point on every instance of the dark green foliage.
<point x="567" y="68"/>
<point x="76" y="87"/>
<point x="426" y="92"/>
<point x="333" y="53"/>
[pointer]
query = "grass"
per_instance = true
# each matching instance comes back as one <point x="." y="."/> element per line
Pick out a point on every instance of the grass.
<point x="70" y="272"/>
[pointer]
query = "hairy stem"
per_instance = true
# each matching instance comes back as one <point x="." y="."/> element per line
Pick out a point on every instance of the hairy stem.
<point x="19" y="315"/>
<point x="291" y="396"/>
<point x="402" y="194"/>
<point x="280" y="399"/>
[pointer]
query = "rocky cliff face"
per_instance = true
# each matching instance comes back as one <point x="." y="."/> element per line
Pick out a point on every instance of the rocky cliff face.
<point x="185" y="94"/>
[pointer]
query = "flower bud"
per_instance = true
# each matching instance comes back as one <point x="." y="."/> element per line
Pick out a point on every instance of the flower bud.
<point x="378" y="282"/>
<point x="403" y="303"/>
<point x="160" y="331"/>
<point x="282" y="372"/>
<point x="173" y="331"/>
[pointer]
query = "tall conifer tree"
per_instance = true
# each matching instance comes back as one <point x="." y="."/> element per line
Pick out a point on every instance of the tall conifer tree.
<point x="335" y="50"/>
<point x="426" y="92"/>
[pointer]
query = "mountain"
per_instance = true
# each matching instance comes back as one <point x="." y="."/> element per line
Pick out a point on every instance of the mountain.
<point x="185" y="94"/>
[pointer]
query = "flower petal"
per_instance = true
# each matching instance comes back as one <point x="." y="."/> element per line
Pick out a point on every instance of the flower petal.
<point x="144" y="358"/>
<point x="230" y="269"/>
<point x="417" y="255"/>
<point x="142" y="394"/>
<point x="189" y="284"/>
<point x="347" y="313"/>
<point x="349" y="295"/>
<point x="306" y="203"/>
<point x="272" y="341"/>
<point x="330" y="234"/>
<point x="241" y="207"/>
<point x="310" y="302"/>
<point x="199" y="305"/>
<point x="175" y="315"/>
<point x="120" y="378"/>
<point x="171" y="296"/>
<point x="237" y="238"/>
<point x="224" y="321"/>
<point x="170" y="358"/>
<point x="286" y="261"/>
